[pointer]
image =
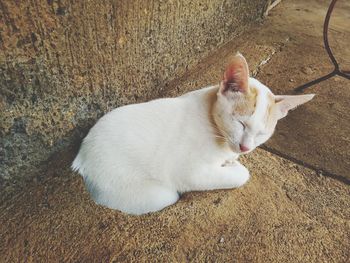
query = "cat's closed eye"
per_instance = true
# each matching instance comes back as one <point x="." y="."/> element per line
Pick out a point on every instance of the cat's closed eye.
<point x="243" y="125"/>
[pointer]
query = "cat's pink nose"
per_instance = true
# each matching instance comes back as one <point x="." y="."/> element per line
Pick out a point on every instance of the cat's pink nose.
<point x="243" y="148"/>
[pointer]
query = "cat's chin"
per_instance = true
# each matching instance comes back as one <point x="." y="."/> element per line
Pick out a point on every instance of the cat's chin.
<point x="235" y="149"/>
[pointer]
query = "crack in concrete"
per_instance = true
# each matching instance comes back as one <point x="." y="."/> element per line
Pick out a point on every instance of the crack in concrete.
<point x="262" y="63"/>
<point x="265" y="61"/>
<point x="319" y="171"/>
<point x="271" y="6"/>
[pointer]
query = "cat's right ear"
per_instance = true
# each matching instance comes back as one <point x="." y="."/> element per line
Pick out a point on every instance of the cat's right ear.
<point x="236" y="76"/>
<point x="286" y="103"/>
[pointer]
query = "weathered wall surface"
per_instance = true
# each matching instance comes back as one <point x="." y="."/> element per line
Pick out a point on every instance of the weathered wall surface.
<point x="64" y="63"/>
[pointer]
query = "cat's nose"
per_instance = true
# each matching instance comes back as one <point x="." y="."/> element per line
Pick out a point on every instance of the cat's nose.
<point x="243" y="148"/>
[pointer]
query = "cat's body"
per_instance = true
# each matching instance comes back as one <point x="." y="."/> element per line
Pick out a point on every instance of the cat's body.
<point x="139" y="158"/>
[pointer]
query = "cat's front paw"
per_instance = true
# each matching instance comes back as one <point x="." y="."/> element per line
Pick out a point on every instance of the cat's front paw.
<point x="231" y="162"/>
<point x="241" y="174"/>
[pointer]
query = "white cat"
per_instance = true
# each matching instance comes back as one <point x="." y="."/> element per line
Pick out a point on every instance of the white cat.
<point x="139" y="158"/>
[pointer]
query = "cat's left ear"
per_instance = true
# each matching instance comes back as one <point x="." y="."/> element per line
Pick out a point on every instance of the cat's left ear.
<point x="285" y="103"/>
<point x="236" y="76"/>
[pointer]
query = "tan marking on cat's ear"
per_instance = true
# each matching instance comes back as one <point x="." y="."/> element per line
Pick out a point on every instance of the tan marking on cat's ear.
<point x="236" y="76"/>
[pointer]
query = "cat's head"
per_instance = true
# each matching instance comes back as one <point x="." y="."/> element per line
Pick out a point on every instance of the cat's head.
<point x="246" y="111"/>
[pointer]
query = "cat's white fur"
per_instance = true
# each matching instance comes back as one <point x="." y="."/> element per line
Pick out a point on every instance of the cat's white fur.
<point x="139" y="158"/>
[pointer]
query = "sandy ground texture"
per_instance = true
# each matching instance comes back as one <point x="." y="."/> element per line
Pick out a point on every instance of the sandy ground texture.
<point x="295" y="208"/>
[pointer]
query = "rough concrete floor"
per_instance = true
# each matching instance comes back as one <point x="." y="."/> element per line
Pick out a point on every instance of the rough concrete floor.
<point x="288" y="212"/>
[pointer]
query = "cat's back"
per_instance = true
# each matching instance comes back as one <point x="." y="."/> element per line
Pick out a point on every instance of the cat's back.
<point x="137" y="118"/>
<point x="126" y="128"/>
<point x="141" y="131"/>
<point x="153" y="115"/>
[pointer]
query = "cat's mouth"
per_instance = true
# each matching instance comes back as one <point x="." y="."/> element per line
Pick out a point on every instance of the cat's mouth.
<point x="234" y="148"/>
<point x="239" y="148"/>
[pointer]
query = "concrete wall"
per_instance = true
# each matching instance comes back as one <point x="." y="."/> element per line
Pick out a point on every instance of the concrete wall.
<point x="65" y="63"/>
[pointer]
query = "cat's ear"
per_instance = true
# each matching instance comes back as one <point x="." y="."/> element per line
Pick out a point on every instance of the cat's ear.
<point x="236" y="76"/>
<point x="285" y="103"/>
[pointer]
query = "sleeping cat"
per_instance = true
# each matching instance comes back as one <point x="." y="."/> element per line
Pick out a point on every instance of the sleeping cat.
<point x="139" y="158"/>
